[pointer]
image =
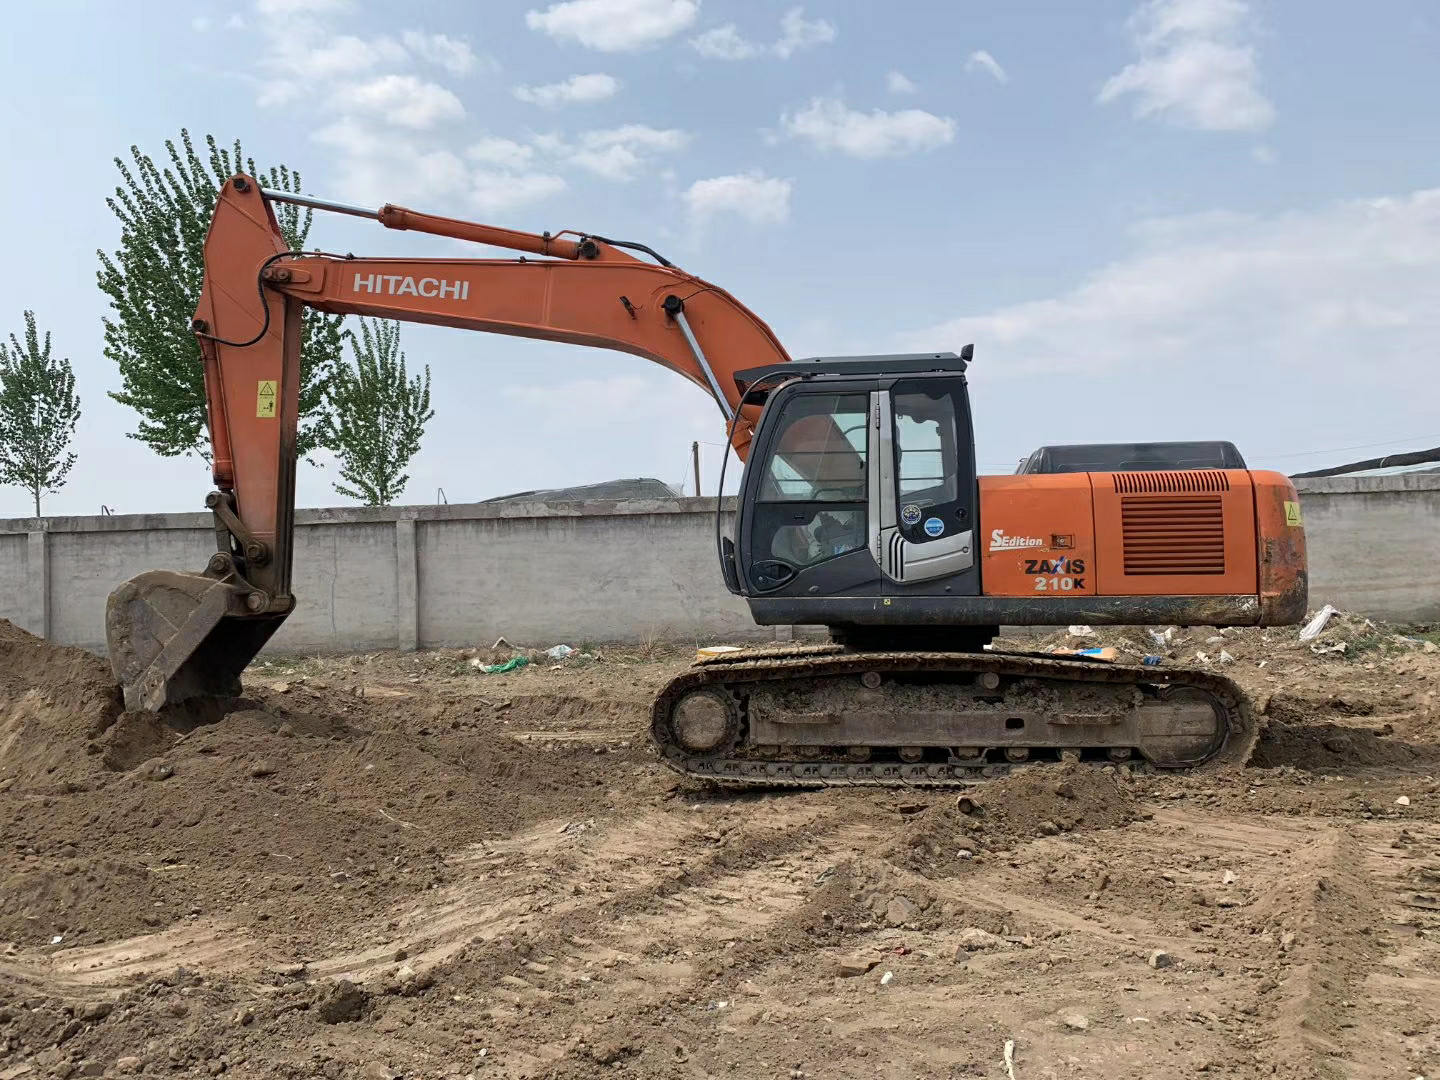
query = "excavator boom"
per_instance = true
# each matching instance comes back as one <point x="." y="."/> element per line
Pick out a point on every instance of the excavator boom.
<point x="172" y="635"/>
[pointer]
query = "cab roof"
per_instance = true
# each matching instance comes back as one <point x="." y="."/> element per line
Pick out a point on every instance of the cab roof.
<point x="874" y="364"/>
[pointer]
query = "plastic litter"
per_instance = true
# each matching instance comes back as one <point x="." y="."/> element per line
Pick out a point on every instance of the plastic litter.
<point x="1081" y="631"/>
<point x="1152" y="661"/>
<point x="1314" y="626"/>
<point x="885" y="979"/>
<point x="513" y="664"/>
<point x="1226" y="658"/>
<point x="1163" y="637"/>
<point x="558" y="652"/>
<point x="1107" y="653"/>
<point x="707" y="651"/>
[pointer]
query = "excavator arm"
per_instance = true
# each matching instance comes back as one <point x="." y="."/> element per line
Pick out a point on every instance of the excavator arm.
<point x="174" y="636"/>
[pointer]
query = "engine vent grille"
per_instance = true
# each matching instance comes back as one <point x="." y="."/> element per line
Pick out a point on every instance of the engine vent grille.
<point x="1133" y="483"/>
<point x="1173" y="535"/>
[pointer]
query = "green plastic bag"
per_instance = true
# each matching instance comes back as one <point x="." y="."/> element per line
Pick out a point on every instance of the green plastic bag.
<point x="513" y="664"/>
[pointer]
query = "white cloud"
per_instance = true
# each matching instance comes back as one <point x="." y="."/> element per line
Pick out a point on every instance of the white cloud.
<point x="753" y="196"/>
<point x="897" y="83"/>
<point x="725" y="43"/>
<point x="1196" y="67"/>
<point x="452" y="54"/>
<point x="394" y="135"/>
<point x="303" y="50"/>
<point x="200" y="24"/>
<point x="380" y="166"/>
<point x="796" y="33"/>
<point x="496" y="192"/>
<point x="617" y="153"/>
<point x="980" y="60"/>
<point x="403" y="100"/>
<point x="506" y="153"/>
<point x="1265" y="155"/>
<point x="291" y="8"/>
<point x="346" y="55"/>
<point x="377" y="166"/>
<point x="576" y="90"/>
<point x="830" y="125"/>
<point x="615" y="25"/>
<point x="1233" y="294"/>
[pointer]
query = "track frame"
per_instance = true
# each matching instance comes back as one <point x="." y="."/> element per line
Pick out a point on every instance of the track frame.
<point x="733" y="672"/>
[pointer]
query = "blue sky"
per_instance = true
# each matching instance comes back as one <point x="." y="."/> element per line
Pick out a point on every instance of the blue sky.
<point x="1175" y="218"/>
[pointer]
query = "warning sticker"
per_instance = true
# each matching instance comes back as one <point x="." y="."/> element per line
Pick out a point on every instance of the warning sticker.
<point x="1292" y="514"/>
<point x="265" y="399"/>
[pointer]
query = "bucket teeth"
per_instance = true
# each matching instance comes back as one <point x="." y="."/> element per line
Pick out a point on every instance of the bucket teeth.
<point x="175" y="636"/>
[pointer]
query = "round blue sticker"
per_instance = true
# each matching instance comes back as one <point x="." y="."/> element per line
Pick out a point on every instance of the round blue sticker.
<point x="934" y="526"/>
<point x="910" y="515"/>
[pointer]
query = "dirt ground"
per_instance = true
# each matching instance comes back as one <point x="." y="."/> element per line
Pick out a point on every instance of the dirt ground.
<point x="396" y="865"/>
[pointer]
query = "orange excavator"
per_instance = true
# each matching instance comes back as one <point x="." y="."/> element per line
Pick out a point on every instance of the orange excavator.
<point x="859" y="509"/>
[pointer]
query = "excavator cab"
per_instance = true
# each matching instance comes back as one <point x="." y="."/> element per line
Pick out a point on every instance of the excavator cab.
<point x="861" y="485"/>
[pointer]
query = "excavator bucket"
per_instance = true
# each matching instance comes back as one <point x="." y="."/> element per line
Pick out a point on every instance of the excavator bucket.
<point x="173" y="637"/>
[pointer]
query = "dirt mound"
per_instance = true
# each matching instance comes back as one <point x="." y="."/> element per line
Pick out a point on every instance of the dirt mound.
<point x="1071" y="797"/>
<point x="303" y="808"/>
<point x="1337" y="748"/>
<point x="54" y="700"/>
<point x="950" y="832"/>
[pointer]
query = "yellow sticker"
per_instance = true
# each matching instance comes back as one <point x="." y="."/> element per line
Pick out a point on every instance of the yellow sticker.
<point x="1292" y="513"/>
<point x="265" y="400"/>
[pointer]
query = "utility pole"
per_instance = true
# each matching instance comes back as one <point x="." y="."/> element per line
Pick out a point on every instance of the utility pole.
<point x="695" y="456"/>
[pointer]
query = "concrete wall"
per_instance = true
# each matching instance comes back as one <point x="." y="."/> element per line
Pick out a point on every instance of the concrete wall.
<point x="407" y="577"/>
<point x="544" y="572"/>
<point x="1374" y="544"/>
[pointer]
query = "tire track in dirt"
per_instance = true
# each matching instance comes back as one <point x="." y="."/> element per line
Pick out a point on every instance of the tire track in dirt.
<point x="209" y="945"/>
<point x="1401" y="991"/>
<point x="674" y="908"/>
<point x="1352" y="955"/>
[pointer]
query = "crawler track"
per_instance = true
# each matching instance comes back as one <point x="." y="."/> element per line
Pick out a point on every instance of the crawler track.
<point x="740" y="762"/>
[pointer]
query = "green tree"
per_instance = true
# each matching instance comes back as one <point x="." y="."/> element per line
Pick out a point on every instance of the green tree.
<point x="377" y="415"/>
<point x="38" y="412"/>
<point x="153" y="282"/>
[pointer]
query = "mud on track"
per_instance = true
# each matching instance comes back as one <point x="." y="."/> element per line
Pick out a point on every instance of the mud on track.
<point x="393" y="865"/>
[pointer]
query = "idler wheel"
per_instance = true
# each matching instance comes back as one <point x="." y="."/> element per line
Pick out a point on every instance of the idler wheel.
<point x="705" y="721"/>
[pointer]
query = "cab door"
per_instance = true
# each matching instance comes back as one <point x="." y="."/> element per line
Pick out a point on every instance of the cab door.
<point x="923" y="489"/>
<point x="805" y="498"/>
